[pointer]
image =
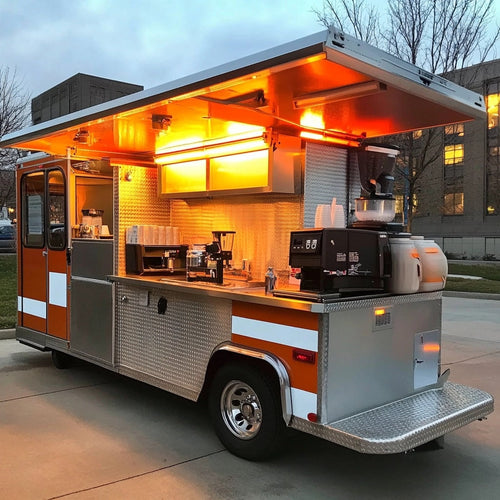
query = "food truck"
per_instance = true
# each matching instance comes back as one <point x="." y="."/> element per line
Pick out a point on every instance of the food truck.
<point x="230" y="236"/>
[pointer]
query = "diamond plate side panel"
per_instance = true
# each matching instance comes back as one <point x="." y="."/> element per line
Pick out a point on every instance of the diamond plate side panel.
<point x="325" y="178"/>
<point x="405" y="424"/>
<point x="136" y="202"/>
<point x="262" y="223"/>
<point x="174" y="347"/>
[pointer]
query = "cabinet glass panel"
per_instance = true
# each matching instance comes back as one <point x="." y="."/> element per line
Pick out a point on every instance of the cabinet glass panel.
<point x="246" y="170"/>
<point x="184" y="177"/>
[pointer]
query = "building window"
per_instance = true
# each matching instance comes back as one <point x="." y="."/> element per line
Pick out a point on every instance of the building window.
<point x="454" y="132"/>
<point x="454" y="154"/>
<point x="453" y="204"/>
<point x="492" y="106"/>
<point x="453" y="159"/>
<point x="493" y="149"/>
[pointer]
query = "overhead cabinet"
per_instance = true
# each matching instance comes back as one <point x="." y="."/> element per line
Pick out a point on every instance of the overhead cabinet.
<point x="270" y="168"/>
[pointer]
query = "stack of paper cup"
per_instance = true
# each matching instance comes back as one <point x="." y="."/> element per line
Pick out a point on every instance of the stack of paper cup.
<point x="333" y="206"/>
<point x="339" y="220"/>
<point x="176" y="237"/>
<point x="323" y="217"/>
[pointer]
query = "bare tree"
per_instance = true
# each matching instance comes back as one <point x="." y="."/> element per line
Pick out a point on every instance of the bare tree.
<point x="441" y="36"/>
<point x="14" y="115"/>
<point x="354" y="16"/>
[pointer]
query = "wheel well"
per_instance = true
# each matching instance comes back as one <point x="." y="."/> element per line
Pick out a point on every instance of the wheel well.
<point x="221" y="358"/>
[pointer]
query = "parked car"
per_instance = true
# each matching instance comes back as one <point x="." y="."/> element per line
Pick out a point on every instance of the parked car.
<point x="7" y="238"/>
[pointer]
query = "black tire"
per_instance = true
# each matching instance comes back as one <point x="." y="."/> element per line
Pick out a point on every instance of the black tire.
<point x="61" y="360"/>
<point x="245" y="408"/>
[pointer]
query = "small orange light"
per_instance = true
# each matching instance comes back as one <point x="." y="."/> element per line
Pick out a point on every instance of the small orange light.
<point x="432" y="347"/>
<point x="312" y="417"/>
<point x="379" y="312"/>
<point x="415" y="255"/>
<point x="431" y="250"/>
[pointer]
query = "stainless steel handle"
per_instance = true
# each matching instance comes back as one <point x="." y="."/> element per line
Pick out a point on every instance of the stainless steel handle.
<point x="45" y="253"/>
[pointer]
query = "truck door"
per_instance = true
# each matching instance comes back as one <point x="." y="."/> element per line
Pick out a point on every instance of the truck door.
<point x="43" y="266"/>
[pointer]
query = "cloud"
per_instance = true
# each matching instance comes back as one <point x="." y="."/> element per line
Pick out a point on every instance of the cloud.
<point x="148" y="43"/>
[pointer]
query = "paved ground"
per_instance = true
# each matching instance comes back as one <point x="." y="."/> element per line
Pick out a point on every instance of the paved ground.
<point x="84" y="433"/>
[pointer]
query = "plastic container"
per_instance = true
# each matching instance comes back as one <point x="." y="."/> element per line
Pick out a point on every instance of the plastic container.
<point x="375" y="209"/>
<point x="406" y="266"/>
<point x="434" y="264"/>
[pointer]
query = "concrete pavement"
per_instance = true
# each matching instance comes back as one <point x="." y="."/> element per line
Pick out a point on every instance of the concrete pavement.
<point x="85" y="433"/>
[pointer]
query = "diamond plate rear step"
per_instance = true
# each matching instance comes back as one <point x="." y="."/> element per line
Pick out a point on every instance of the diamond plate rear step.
<point x="412" y="421"/>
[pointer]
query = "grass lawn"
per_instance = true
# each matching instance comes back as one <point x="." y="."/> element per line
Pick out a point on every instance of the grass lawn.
<point x="490" y="273"/>
<point x="8" y="290"/>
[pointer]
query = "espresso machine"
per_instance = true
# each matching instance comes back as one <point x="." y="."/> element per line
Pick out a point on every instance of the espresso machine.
<point x="340" y="261"/>
<point x="206" y="262"/>
<point x="155" y="259"/>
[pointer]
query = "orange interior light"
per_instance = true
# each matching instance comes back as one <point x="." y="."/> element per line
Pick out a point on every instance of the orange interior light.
<point x="313" y="120"/>
<point x="249" y="141"/>
<point x="324" y="138"/>
<point x="316" y="125"/>
<point x="431" y="250"/>
<point x="379" y="312"/>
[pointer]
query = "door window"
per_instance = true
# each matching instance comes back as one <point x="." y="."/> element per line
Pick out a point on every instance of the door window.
<point x="33" y="207"/>
<point x="56" y="211"/>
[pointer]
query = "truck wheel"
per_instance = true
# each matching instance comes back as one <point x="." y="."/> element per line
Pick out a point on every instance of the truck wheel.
<point x="245" y="408"/>
<point x="61" y="360"/>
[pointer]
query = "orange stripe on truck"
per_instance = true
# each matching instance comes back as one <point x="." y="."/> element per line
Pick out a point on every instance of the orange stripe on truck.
<point x="291" y="317"/>
<point x="302" y="375"/>
<point x="280" y="332"/>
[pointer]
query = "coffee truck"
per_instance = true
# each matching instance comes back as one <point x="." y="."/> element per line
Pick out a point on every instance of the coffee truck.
<point x="230" y="236"/>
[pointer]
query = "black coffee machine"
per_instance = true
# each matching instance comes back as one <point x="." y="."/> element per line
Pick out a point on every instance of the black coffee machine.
<point x="340" y="260"/>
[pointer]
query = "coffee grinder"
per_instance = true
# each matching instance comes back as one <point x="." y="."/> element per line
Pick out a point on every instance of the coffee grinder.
<point x="375" y="208"/>
<point x="226" y="241"/>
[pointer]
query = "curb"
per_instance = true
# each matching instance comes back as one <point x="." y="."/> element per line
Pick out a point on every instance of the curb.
<point x="472" y="295"/>
<point x="10" y="333"/>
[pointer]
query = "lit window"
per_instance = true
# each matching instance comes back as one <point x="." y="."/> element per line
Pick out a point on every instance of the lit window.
<point x="399" y="208"/>
<point x="453" y="154"/>
<point x="453" y="204"/>
<point x="492" y="105"/>
<point x="417" y="134"/>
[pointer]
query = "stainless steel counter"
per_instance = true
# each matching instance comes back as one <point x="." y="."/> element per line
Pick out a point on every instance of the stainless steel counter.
<point x="245" y="292"/>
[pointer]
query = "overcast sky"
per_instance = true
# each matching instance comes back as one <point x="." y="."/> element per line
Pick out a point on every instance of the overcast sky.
<point x="147" y="42"/>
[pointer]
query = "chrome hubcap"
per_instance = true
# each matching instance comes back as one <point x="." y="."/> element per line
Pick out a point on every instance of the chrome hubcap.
<point x="241" y="409"/>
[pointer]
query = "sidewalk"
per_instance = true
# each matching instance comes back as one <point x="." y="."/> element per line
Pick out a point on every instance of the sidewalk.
<point x="87" y="433"/>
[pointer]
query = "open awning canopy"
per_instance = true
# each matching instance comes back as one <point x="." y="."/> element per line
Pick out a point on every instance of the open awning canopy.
<point x="328" y="83"/>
